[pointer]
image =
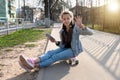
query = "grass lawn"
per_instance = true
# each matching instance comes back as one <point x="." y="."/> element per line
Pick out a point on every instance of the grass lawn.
<point x="22" y="36"/>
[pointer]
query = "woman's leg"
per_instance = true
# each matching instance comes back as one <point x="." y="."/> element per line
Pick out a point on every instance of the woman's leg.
<point x="36" y="60"/>
<point x="45" y="56"/>
<point x="65" y="54"/>
<point x="50" y="53"/>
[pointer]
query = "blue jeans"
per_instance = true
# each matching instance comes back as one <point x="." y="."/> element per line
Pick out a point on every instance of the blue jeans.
<point x="55" y="55"/>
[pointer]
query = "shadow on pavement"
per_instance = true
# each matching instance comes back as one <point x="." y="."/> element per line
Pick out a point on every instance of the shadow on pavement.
<point x="106" y="52"/>
<point x="57" y="71"/>
<point x="25" y="76"/>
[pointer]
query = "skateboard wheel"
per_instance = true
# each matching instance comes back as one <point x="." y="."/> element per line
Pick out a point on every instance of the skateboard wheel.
<point x="70" y="62"/>
<point x="76" y="62"/>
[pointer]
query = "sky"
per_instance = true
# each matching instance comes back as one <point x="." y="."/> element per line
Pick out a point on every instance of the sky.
<point x="28" y="2"/>
<point x="87" y="2"/>
<point x="34" y="2"/>
<point x="73" y="2"/>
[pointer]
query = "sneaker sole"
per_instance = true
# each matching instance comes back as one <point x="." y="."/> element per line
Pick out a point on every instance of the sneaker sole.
<point x="24" y="62"/>
<point x="24" y="67"/>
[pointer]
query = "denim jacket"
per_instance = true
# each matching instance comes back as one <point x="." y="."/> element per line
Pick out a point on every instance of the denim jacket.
<point x="76" y="45"/>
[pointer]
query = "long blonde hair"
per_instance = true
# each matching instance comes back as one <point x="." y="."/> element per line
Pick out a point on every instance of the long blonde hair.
<point x="68" y="38"/>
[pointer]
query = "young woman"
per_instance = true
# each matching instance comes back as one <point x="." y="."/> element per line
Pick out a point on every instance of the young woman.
<point x="69" y="46"/>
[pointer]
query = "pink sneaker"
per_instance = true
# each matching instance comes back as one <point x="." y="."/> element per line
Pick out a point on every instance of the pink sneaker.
<point x="31" y="60"/>
<point x="24" y="67"/>
<point x="29" y="63"/>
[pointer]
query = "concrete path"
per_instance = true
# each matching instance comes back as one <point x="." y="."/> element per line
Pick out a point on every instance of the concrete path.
<point x="99" y="61"/>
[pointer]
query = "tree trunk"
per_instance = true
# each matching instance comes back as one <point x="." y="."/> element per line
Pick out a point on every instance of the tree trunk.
<point x="92" y="14"/>
<point x="47" y="15"/>
<point x="24" y="9"/>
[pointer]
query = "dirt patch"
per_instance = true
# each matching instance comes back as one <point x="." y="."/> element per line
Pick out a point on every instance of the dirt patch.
<point x="9" y="66"/>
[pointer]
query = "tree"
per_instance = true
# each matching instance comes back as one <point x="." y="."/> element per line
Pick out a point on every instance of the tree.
<point x="51" y="6"/>
<point x="24" y="8"/>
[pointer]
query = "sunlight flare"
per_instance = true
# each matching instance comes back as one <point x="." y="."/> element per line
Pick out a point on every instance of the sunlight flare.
<point x="113" y="7"/>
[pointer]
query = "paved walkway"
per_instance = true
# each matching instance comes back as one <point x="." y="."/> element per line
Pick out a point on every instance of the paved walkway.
<point x="99" y="61"/>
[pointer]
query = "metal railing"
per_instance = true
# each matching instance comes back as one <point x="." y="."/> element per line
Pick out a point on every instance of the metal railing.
<point x="13" y="24"/>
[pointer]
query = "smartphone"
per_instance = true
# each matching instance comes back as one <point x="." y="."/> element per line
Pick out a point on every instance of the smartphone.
<point x="50" y="37"/>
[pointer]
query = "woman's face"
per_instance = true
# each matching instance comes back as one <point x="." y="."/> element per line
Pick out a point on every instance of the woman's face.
<point x="66" y="19"/>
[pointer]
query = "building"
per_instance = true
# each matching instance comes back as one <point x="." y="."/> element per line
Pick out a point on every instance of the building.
<point x="7" y="8"/>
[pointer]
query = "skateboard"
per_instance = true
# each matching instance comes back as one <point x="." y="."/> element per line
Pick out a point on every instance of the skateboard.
<point x="73" y="61"/>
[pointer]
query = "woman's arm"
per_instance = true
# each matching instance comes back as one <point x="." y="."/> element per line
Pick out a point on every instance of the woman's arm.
<point x="81" y="28"/>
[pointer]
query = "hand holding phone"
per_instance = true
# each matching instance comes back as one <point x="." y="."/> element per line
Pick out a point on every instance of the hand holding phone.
<point x="50" y="37"/>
